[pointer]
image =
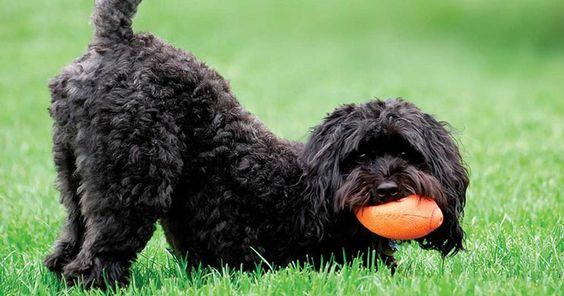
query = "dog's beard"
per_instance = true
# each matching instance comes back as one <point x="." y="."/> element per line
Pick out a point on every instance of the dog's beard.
<point x="360" y="186"/>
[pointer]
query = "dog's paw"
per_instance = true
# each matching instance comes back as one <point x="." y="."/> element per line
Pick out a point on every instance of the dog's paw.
<point x="96" y="273"/>
<point x="61" y="256"/>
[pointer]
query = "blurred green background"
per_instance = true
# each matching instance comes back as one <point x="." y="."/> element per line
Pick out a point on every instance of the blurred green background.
<point x="493" y="69"/>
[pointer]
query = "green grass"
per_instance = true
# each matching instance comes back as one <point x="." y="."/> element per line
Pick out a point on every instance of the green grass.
<point x="495" y="71"/>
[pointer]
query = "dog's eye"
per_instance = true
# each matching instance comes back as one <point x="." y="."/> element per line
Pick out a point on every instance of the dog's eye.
<point x="403" y="154"/>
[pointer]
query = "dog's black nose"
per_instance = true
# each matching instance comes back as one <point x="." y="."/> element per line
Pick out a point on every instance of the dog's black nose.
<point x="387" y="189"/>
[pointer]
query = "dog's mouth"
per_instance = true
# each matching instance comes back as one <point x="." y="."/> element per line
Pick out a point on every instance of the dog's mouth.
<point x="356" y="203"/>
<point x="368" y="186"/>
<point x="375" y="201"/>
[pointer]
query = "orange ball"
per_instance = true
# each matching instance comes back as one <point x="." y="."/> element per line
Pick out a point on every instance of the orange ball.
<point x="408" y="218"/>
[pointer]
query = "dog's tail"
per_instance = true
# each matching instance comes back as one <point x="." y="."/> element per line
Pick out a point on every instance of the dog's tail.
<point x="112" y="19"/>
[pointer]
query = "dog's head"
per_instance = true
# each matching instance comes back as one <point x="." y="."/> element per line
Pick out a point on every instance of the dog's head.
<point x="383" y="150"/>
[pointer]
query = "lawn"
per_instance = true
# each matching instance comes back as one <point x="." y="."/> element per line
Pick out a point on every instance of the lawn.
<point x="495" y="71"/>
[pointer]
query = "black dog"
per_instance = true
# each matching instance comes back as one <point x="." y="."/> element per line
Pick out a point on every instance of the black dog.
<point x="145" y="132"/>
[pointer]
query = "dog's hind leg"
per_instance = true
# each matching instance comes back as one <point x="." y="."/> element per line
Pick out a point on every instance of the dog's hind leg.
<point x="113" y="238"/>
<point x="128" y="179"/>
<point x="67" y="245"/>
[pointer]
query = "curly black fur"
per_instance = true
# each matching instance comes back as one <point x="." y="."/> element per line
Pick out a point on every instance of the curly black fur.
<point x="145" y="132"/>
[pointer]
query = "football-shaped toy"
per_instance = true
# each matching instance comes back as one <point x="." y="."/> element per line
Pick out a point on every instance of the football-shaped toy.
<point x="408" y="218"/>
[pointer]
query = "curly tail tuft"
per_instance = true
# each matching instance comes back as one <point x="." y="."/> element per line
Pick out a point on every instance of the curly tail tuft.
<point x="112" y="19"/>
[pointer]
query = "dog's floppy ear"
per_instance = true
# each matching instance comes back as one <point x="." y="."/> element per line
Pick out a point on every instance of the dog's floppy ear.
<point x="329" y="144"/>
<point x="443" y="159"/>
